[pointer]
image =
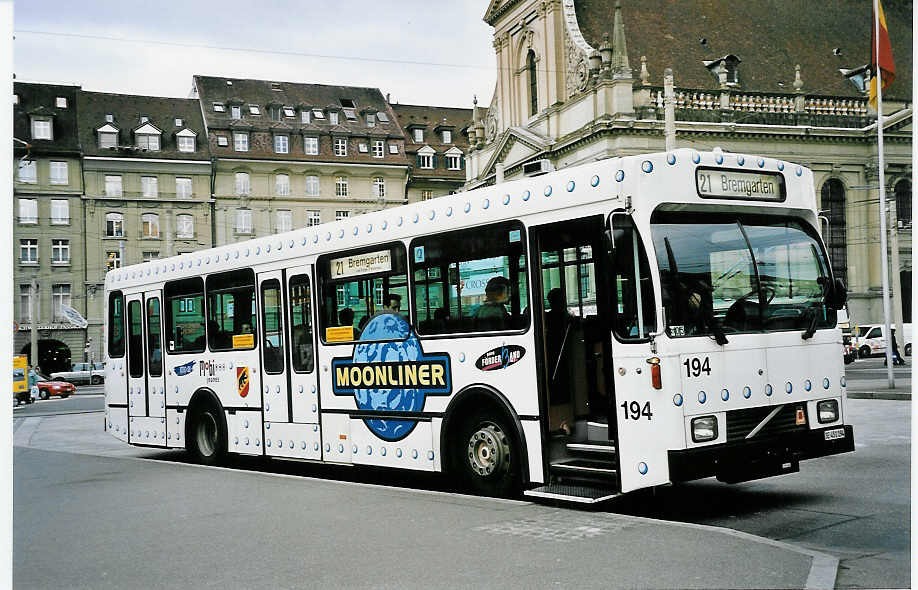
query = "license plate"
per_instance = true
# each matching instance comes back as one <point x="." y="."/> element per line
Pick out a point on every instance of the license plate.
<point x="835" y="434"/>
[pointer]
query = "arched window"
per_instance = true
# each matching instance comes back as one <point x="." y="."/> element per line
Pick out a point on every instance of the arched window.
<point x="242" y="184"/>
<point x="903" y="192"/>
<point x="114" y="225"/>
<point x="833" y="205"/>
<point x="533" y="88"/>
<point x="149" y="225"/>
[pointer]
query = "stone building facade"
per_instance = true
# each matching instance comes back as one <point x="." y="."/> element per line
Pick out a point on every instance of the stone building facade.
<point x="582" y="80"/>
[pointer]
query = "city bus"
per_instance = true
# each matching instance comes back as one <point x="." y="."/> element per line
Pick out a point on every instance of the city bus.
<point x="576" y="335"/>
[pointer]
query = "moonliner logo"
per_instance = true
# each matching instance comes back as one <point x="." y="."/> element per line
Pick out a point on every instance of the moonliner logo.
<point x="389" y="373"/>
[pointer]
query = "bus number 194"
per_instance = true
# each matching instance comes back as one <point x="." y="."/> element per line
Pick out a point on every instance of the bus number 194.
<point x="694" y="366"/>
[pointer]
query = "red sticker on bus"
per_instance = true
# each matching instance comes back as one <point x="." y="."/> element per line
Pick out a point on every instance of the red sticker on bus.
<point x="242" y="380"/>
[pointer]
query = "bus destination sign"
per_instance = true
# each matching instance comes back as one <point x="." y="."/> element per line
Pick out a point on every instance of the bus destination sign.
<point x="361" y="264"/>
<point x="733" y="184"/>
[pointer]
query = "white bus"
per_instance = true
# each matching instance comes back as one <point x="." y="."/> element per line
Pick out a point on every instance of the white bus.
<point x="618" y="325"/>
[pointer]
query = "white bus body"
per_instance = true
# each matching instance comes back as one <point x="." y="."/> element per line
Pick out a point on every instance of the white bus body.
<point x="659" y="368"/>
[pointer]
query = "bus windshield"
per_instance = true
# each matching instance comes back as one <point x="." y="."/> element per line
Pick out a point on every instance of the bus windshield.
<point x="740" y="274"/>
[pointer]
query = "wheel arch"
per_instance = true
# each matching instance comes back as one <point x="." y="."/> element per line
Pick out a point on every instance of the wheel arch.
<point x="204" y="396"/>
<point x="478" y="395"/>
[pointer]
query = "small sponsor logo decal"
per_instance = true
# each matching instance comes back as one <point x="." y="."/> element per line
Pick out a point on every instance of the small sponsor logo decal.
<point x="500" y="358"/>
<point x="184" y="369"/>
<point x="242" y="381"/>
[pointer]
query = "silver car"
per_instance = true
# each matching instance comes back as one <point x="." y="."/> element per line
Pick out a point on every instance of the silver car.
<point x="82" y="373"/>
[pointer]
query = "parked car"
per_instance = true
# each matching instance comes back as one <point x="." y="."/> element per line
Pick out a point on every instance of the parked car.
<point x="83" y="373"/>
<point x="50" y="387"/>
<point x="871" y="340"/>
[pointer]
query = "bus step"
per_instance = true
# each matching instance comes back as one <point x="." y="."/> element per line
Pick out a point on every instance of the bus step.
<point x="581" y="494"/>
<point x="584" y="469"/>
<point x="593" y="447"/>
<point x="597" y="430"/>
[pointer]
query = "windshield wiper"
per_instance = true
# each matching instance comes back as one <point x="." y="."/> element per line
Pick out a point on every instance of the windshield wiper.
<point x="813" y="318"/>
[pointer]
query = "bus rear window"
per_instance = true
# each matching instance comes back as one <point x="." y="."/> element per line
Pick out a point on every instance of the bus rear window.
<point x="115" y="325"/>
<point x="471" y="280"/>
<point x="185" y="315"/>
<point x="231" y="310"/>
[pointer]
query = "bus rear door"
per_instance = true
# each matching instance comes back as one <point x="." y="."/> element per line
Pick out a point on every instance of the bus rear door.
<point x="146" y="387"/>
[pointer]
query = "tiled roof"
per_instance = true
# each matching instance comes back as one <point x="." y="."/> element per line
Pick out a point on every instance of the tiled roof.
<point x="297" y="95"/>
<point x="769" y="36"/>
<point x="40" y="99"/>
<point x="127" y="110"/>
<point x="434" y="118"/>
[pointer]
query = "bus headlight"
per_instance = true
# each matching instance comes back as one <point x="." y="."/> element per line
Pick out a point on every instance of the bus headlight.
<point x="704" y="429"/>
<point x="827" y="411"/>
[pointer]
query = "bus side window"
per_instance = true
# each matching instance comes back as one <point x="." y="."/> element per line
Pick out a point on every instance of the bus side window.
<point x="154" y="338"/>
<point x="116" y="325"/>
<point x="184" y="307"/>
<point x="272" y="327"/>
<point x="635" y="316"/>
<point x="135" y="350"/>
<point x="301" y="324"/>
<point x="231" y="310"/>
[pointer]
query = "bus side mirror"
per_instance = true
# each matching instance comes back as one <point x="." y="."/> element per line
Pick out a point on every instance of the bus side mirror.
<point x="839" y="294"/>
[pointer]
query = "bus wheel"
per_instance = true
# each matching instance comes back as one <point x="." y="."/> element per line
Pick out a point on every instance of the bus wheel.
<point x="207" y="436"/>
<point x="487" y="456"/>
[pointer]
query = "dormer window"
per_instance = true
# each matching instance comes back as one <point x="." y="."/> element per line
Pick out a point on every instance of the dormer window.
<point x="725" y="70"/>
<point x="304" y="116"/>
<point x="109" y="118"/>
<point x="254" y="110"/>
<point x="108" y="136"/>
<point x="333" y="117"/>
<point x="235" y="112"/>
<point x="371" y="119"/>
<point x="418" y="135"/>
<point x="144" y="119"/>
<point x="426" y="157"/>
<point x="179" y="122"/>
<point x="447" y="136"/>
<point x="60" y="102"/>
<point x="383" y="117"/>
<point x="348" y="103"/>
<point x="186" y="139"/>
<point x="147" y="138"/>
<point x="288" y="112"/>
<point x="350" y="115"/>
<point x="318" y="114"/>
<point x="42" y="128"/>
<point x="275" y="86"/>
<point x="219" y="108"/>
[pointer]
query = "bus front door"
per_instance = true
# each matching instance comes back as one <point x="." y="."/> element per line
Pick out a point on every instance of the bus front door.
<point x="146" y="386"/>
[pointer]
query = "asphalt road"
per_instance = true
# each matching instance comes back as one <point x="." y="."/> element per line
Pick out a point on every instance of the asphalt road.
<point x="870" y="375"/>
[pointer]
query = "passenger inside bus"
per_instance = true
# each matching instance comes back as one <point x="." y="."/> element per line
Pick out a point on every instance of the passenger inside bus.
<point x="492" y="314"/>
<point x="558" y="327"/>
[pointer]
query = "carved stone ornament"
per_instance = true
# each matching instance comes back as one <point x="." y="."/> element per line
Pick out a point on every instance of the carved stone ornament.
<point x="491" y="126"/>
<point x="577" y="52"/>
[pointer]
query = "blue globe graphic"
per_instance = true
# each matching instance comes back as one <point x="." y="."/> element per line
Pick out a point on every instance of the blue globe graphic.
<point x="399" y="344"/>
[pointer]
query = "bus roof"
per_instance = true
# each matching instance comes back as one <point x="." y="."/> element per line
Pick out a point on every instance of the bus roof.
<point x="610" y="179"/>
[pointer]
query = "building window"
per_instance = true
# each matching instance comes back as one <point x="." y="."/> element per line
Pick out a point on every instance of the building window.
<point x="28" y="211"/>
<point x="903" y="191"/>
<point x="60" y="251"/>
<point x="60" y="296"/>
<point x="242" y="184"/>
<point x="453" y="162"/>
<point x="112" y="260"/>
<point x="243" y="221"/>
<point x="60" y="173"/>
<point x="362" y="148"/>
<point x="108" y="139"/>
<point x="41" y="128"/>
<point x="341" y="186"/>
<point x="311" y="145"/>
<point x="235" y="112"/>
<point x="318" y="114"/>
<point x="144" y="119"/>
<point x="426" y="160"/>
<point x="149" y="256"/>
<point x="833" y="202"/>
<point x="25" y="304"/>
<point x="340" y="146"/>
<point x="28" y="171"/>
<point x="222" y="141"/>
<point x="313" y="218"/>
<point x="350" y="115"/>
<point x="382" y="117"/>
<point x="241" y="142"/>
<point x="219" y="108"/>
<point x="284" y="221"/>
<point x="274" y="113"/>
<point x="254" y="110"/>
<point x="418" y="135"/>
<point x="312" y="186"/>
<point x="333" y="117"/>
<point x="379" y="148"/>
<point x="426" y="195"/>
<point x="186" y="144"/>
<point x="339" y="215"/>
<point x="28" y="251"/>
<point x="379" y="187"/>
<point x="282" y="185"/>
<point x="447" y="136"/>
<point x="148" y="142"/>
<point x="179" y="122"/>
<point x="183" y="188"/>
<point x="288" y="112"/>
<point x="371" y="120"/>
<point x="533" y="83"/>
<point x="60" y="211"/>
<point x="114" y="225"/>
<point x="281" y="144"/>
<point x="109" y="118"/>
<point x="184" y="226"/>
<point x="60" y="102"/>
<point x="304" y="116"/>
<point x="393" y="148"/>
<point x="113" y="186"/>
<point x="149" y="186"/>
<point x="149" y="225"/>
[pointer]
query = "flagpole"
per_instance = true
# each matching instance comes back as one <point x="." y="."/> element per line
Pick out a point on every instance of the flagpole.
<point x="882" y="166"/>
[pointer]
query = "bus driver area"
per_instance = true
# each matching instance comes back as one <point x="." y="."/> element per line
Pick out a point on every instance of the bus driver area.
<point x="604" y="328"/>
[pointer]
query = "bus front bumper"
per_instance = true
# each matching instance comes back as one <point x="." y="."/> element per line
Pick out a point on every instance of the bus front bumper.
<point x="754" y="459"/>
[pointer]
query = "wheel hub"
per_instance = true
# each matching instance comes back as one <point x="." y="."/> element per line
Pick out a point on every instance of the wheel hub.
<point x="207" y="434"/>
<point x="488" y="450"/>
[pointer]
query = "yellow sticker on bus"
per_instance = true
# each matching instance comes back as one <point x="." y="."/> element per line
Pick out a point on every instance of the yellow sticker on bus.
<point x="339" y="334"/>
<point x="243" y="340"/>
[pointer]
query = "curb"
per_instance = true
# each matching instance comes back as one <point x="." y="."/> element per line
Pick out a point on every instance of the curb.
<point x="890" y="395"/>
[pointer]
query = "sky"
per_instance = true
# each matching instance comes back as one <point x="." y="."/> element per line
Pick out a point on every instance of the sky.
<point x="441" y="56"/>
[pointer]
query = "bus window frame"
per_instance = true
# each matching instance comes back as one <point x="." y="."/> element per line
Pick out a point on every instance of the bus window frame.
<point x="110" y="325"/>
<point x="613" y="287"/>
<point x="148" y="352"/>
<point x="255" y="307"/>
<point x="291" y="281"/>
<point x="272" y="283"/>
<point x="167" y="310"/>
<point x="322" y="280"/>
<point x="526" y="304"/>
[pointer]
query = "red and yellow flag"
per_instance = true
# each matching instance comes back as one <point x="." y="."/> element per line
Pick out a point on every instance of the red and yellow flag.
<point x="883" y="61"/>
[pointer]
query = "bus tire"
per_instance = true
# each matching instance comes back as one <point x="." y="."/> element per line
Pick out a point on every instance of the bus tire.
<point x="206" y="435"/>
<point x="486" y="455"/>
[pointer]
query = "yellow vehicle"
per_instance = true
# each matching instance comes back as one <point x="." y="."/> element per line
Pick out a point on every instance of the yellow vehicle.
<point x="20" y="381"/>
